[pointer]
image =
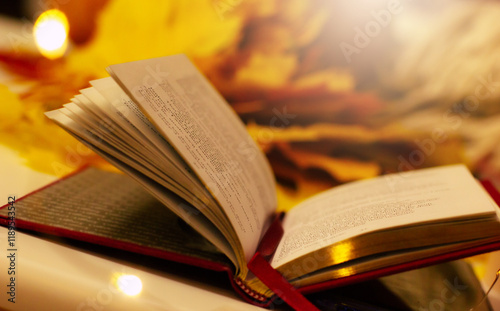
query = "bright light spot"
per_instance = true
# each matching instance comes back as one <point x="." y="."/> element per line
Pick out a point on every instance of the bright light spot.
<point x="129" y="284"/>
<point x="51" y="33"/>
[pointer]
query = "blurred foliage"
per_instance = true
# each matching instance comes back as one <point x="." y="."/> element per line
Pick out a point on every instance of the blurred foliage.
<point x="319" y="119"/>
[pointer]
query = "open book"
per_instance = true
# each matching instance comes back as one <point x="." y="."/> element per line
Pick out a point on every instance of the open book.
<point x="161" y="122"/>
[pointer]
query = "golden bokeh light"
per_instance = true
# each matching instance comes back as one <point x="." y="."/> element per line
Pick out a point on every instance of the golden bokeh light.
<point x="51" y="33"/>
<point x="129" y="284"/>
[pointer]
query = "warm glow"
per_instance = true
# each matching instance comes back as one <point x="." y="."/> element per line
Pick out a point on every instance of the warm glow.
<point x="129" y="284"/>
<point x="51" y="33"/>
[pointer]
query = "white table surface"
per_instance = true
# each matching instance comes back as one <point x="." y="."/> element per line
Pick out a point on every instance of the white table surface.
<point x="56" y="277"/>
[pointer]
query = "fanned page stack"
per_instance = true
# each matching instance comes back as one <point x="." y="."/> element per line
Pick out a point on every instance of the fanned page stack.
<point x="161" y="122"/>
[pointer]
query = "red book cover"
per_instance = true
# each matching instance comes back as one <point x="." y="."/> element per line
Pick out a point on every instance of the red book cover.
<point x="112" y="210"/>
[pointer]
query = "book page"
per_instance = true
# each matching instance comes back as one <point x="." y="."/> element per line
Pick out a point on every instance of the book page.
<point x="105" y="207"/>
<point x="175" y="203"/>
<point x="128" y="115"/>
<point x="125" y="113"/>
<point x="439" y="194"/>
<point x="201" y="126"/>
<point x="116" y="144"/>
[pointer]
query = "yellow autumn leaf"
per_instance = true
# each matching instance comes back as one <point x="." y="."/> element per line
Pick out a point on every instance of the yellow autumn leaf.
<point x="315" y="132"/>
<point x="334" y="80"/>
<point x="10" y="106"/>
<point x="342" y="169"/>
<point x="269" y="70"/>
<point x="129" y="30"/>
